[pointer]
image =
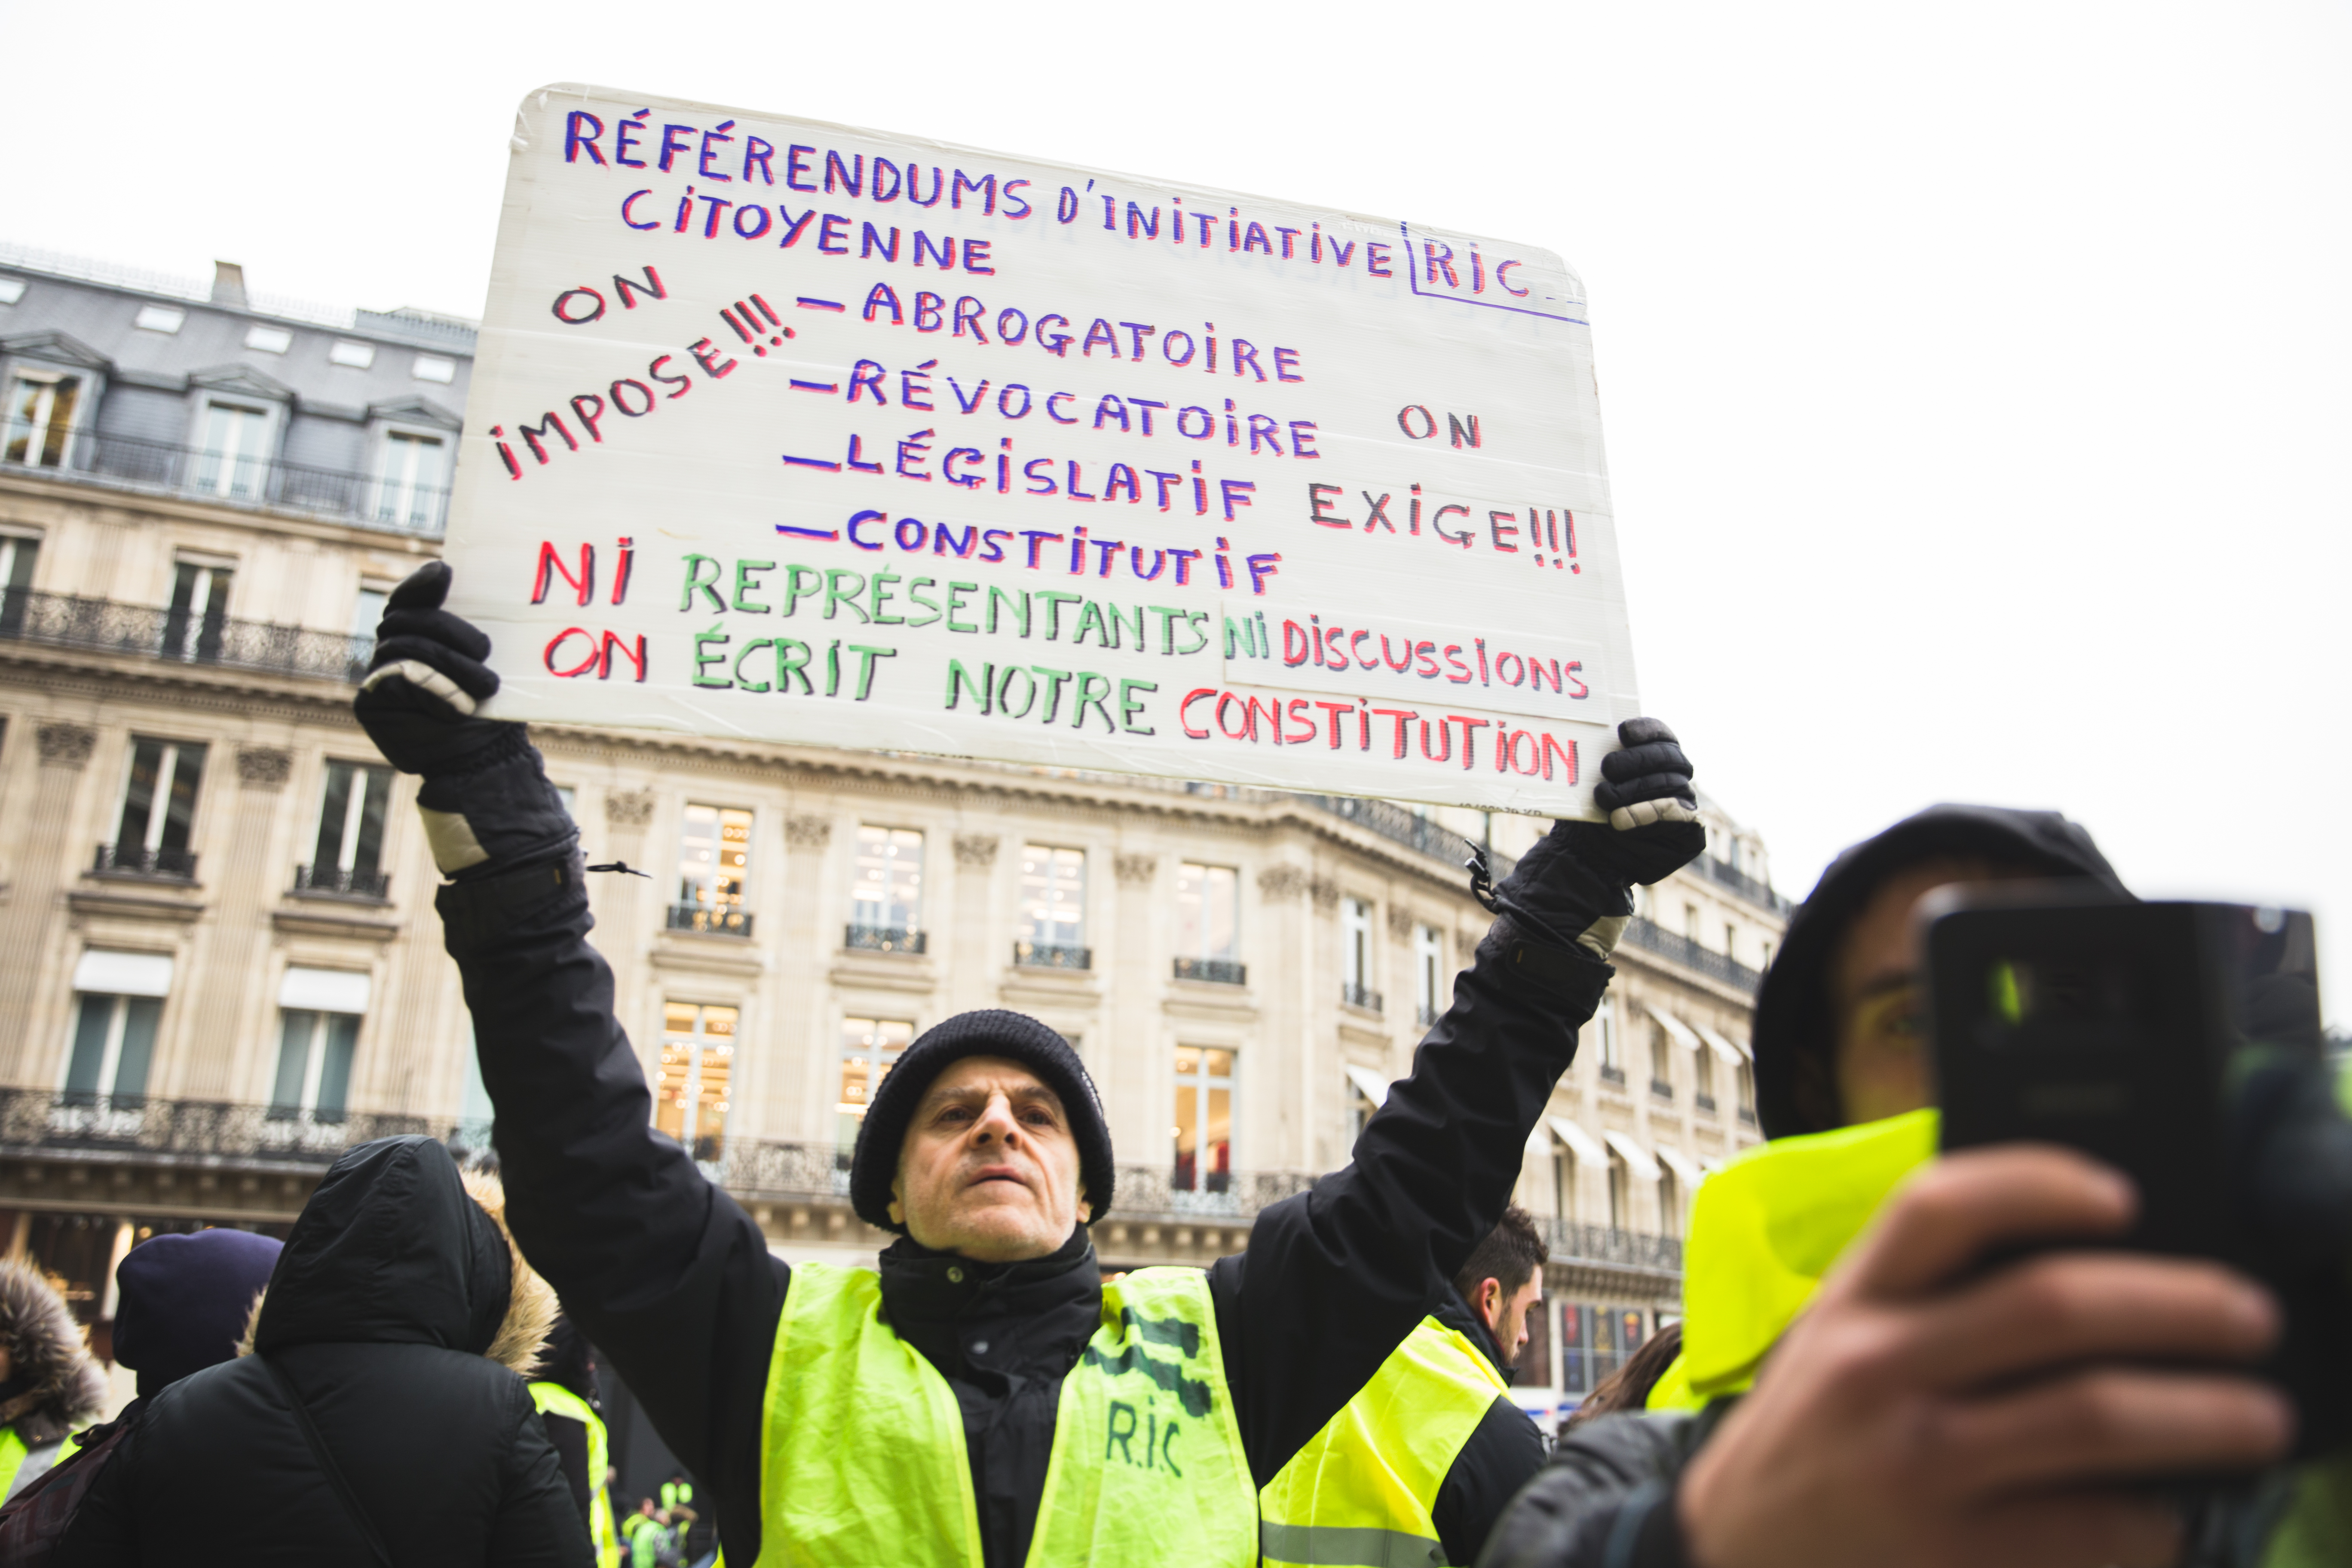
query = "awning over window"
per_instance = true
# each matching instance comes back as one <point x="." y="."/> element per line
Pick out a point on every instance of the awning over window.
<point x="1583" y="1144"/>
<point x="1375" y="1086"/>
<point x="1674" y="1026"/>
<point x="1637" y="1159"/>
<point x="325" y="990"/>
<point x="1725" y="1048"/>
<point x="1686" y="1170"/>
<point x="108" y="973"/>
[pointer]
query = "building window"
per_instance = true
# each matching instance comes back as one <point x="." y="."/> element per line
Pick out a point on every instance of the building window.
<point x="158" y="319"/>
<point x="318" y="1034"/>
<point x="887" y="903"/>
<point x="1690" y="922"/>
<point x="1612" y="1063"/>
<point x="348" y="856"/>
<point x="1052" y="908"/>
<point x="1703" y="1078"/>
<point x="869" y="1048"/>
<point x="1356" y="957"/>
<point x="1620" y="1193"/>
<point x="1596" y="1341"/>
<point x="198" y="617"/>
<point x="1766" y="957"/>
<point x="1670" y="1203"/>
<point x="434" y="367"/>
<point x="114" y="1045"/>
<point x="698" y="1060"/>
<point x="1563" y="1184"/>
<point x="1208" y="923"/>
<point x="1360" y="1107"/>
<point x="415" y="479"/>
<point x="714" y="856"/>
<point x="40" y="418"/>
<point x="17" y="554"/>
<point x="159" y="810"/>
<point x="1746" y="1086"/>
<point x="351" y="355"/>
<point x="1204" y="1120"/>
<point x="1428" y="973"/>
<point x="268" y="340"/>
<point x="235" y="458"/>
<point x="1661" y="1062"/>
<point x="1730" y="940"/>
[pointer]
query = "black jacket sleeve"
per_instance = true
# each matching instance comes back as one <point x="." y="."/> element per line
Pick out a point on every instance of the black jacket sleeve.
<point x="1605" y="1501"/>
<point x="1501" y="1456"/>
<point x="538" y="1524"/>
<point x="1335" y="1277"/>
<point x="570" y="1440"/>
<point x="666" y="1273"/>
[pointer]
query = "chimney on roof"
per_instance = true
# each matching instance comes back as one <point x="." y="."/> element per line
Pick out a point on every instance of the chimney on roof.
<point x="228" y="284"/>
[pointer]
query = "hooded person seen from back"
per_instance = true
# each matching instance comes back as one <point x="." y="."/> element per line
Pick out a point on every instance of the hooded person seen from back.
<point x="398" y="1317"/>
<point x="184" y="1302"/>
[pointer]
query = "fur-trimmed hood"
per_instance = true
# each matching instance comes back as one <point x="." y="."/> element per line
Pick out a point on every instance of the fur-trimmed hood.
<point x="396" y="1247"/>
<point x="53" y="1385"/>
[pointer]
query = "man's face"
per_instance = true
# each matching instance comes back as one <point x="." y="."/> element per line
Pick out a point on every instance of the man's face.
<point x="1875" y="984"/>
<point x="1505" y="1317"/>
<point x="990" y="1168"/>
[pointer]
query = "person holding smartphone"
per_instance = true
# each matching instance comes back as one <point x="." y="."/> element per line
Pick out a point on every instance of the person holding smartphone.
<point x="1855" y="1388"/>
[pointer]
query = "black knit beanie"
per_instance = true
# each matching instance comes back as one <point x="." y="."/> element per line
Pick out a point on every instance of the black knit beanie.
<point x="988" y="1031"/>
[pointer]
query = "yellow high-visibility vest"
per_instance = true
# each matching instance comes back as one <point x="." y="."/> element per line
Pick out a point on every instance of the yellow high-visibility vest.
<point x="1764" y="1229"/>
<point x="554" y="1399"/>
<point x="1363" y="1493"/>
<point x="863" y="1458"/>
<point x="11" y="1457"/>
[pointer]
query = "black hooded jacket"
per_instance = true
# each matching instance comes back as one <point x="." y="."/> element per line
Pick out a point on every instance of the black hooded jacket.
<point x="391" y="1288"/>
<point x="1607" y="1495"/>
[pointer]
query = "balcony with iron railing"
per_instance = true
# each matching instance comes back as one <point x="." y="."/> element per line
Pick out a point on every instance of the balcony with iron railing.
<point x="898" y="939"/>
<point x="201" y="1132"/>
<point x="1576" y="1241"/>
<point x="1212" y="970"/>
<point x="138" y="860"/>
<point x="1363" y="996"/>
<point x="373" y="501"/>
<point x="1652" y="937"/>
<point x="335" y="881"/>
<point x="1425" y="1015"/>
<point x="1724" y="874"/>
<point x="177" y="637"/>
<point x="1052" y="955"/>
<point x="1408" y="828"/>
<point x="712" y="920"/>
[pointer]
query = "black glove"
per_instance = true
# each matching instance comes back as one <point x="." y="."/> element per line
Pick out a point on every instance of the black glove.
<point x="1576" y="885"/>
<point x="486" y="801"/>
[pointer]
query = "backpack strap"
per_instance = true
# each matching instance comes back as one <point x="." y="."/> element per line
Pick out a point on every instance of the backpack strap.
<point x="327" y="1461"/>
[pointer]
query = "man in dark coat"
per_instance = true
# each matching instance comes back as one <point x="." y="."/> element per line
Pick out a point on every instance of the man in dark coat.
<point x="990" y="1125"/>
<point x="393" y="1296"/>
<point x="1917" y="1413"/>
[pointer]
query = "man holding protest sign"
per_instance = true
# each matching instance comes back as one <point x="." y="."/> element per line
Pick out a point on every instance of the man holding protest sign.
<point x="987" y="1399"/>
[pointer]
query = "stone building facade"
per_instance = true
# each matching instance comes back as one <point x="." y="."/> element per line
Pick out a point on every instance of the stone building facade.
<point x="219" y="964"/>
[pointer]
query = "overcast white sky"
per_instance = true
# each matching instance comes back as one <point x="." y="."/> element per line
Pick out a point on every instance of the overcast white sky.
<point x="1977" y="378"/>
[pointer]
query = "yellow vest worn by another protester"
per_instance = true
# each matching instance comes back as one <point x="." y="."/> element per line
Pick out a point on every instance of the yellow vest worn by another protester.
<point x="863" y="1458"/>
<point x="1763" y="1231"/>
<point x="1362" y="1494"/>
<point x="11" y="1457"/>
<point x="554" y="1399"/>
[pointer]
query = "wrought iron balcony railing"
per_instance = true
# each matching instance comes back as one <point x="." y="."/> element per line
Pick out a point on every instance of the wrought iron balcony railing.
<point x="1363" y="996"/>
<point x="717" y="919"/>
<point x="143" y="1126"/>
<point x="1704" y="1101"/>
<point x="1052" y="955"/>
<point x="1748" y="1115"/>
<point x="1414" y="831"/>
<point x="1660" y="1089"/>
<point x="1574" y="1241"/>
<point x="354" y="883"/>
<point x="1654" y="938"/>
<point x="1756" y="892"/>
<point x="1612" y="1074"/>
<point x="126" y="462"/>
<point x="139" y="631"/>
<point x="885" y="938"/>
<point x="1212" y="970"/>
<point x="138" y="860"/>
<point x="1426" y="1015"/>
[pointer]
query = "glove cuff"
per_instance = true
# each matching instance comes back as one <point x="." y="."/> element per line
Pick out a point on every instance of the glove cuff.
<point x="499" y="814"/>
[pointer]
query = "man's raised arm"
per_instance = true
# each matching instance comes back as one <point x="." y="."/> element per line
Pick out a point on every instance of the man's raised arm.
<point x="1335" y="1278"/>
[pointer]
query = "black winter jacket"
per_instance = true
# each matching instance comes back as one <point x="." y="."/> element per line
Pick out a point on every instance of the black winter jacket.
<point x="391" y="1289"/>
<point x="675" y="1282"/>
<point x="1607" y="1496"/>
<point x="1503" y="1452"/>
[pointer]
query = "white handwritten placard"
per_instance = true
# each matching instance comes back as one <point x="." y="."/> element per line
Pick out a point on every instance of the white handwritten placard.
<point x="794" y="432"/>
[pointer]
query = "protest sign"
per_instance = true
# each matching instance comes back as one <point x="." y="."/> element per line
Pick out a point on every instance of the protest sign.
<point x="793" y="432"/>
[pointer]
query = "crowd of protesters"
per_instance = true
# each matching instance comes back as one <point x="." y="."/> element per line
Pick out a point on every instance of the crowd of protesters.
<point x="1852" y="1384"/>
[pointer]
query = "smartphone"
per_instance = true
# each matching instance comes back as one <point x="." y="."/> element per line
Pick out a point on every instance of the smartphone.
<point x="2064" y="1018"/>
